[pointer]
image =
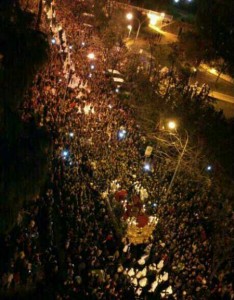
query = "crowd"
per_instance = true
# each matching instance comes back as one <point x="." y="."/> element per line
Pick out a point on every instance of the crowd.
<point x="65" y="238"/>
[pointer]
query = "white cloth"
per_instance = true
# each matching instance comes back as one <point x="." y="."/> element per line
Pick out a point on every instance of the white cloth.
<point x="160" y="265"/>
<point x="143" y="282"/>
<point x="131" y="272"/>
<point x="165" y="276"/>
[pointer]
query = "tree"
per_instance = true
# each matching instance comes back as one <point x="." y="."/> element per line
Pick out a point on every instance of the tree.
<point x="112" y="37"/>
<point x="153" y="5"/>
<point x="215" y="22"/>
<point x="24" y="148"/>
<point x="195" y="48"/>
<point x="39" y="14"/>
<point x="101" y="15"/>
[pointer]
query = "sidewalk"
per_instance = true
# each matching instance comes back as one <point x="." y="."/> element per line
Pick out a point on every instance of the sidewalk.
<point x="222" y="90"/>
<point x="222" y="97"/>
<point x="215" y="73"/>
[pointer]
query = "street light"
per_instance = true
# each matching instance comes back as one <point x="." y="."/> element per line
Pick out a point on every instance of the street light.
<point x="91" y="56"/>
<point x="172" y="125"/>
<point x="177" y="165"/>
<point x="130" y="29"/>
<point x="130" y="17"/>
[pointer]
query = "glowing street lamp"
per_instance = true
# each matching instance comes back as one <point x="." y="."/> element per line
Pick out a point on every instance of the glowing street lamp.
<point x="91" y="56"/>
<point x="172" y="125"/>
<point x="130" y="29"/>
<point x="129" y="16"/>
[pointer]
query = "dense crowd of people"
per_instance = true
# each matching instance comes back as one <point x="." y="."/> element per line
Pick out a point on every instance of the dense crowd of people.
<point x="65" y="238"/>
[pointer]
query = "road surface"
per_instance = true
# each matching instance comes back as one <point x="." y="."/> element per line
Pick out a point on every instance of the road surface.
<point x="223" y="91"/>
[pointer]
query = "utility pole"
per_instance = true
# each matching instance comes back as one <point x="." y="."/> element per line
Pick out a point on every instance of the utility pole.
<point x="177" y="167"/>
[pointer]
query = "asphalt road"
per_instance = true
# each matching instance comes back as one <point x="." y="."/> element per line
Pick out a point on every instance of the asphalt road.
<point x="222" y="87"/>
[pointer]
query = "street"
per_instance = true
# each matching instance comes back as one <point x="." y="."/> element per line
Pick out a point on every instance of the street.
<point x="223" y="91"/>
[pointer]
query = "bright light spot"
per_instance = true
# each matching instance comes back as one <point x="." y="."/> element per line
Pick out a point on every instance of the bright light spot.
<point x="71" y="134"/>
<point x="154" y="204"/>
<point x="117" y="90"/>
<point x="122" y="134"/>
<point x="110" y="106"/>
<point x="70" y="47"/>
<point x="162" y="15"/>
<point x="92" y="67"/>
<point x="90" y="75"/>
<point x="53" y="41"/>
<point x="70" y="163"/>
<point x="213" y="71"/>
<point x="83" y="43"/>
<point x="152" y="19"/>
<point x="129" y="27"/>
<point x="171" y="125"/>
<point x="91" y="56"/>
<point x="176" y="1"/>
<point x="146" y="167"/>
<point x="129" y="16"/>
<point x="209" y="168"/>
<point x="65" y="153"/>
